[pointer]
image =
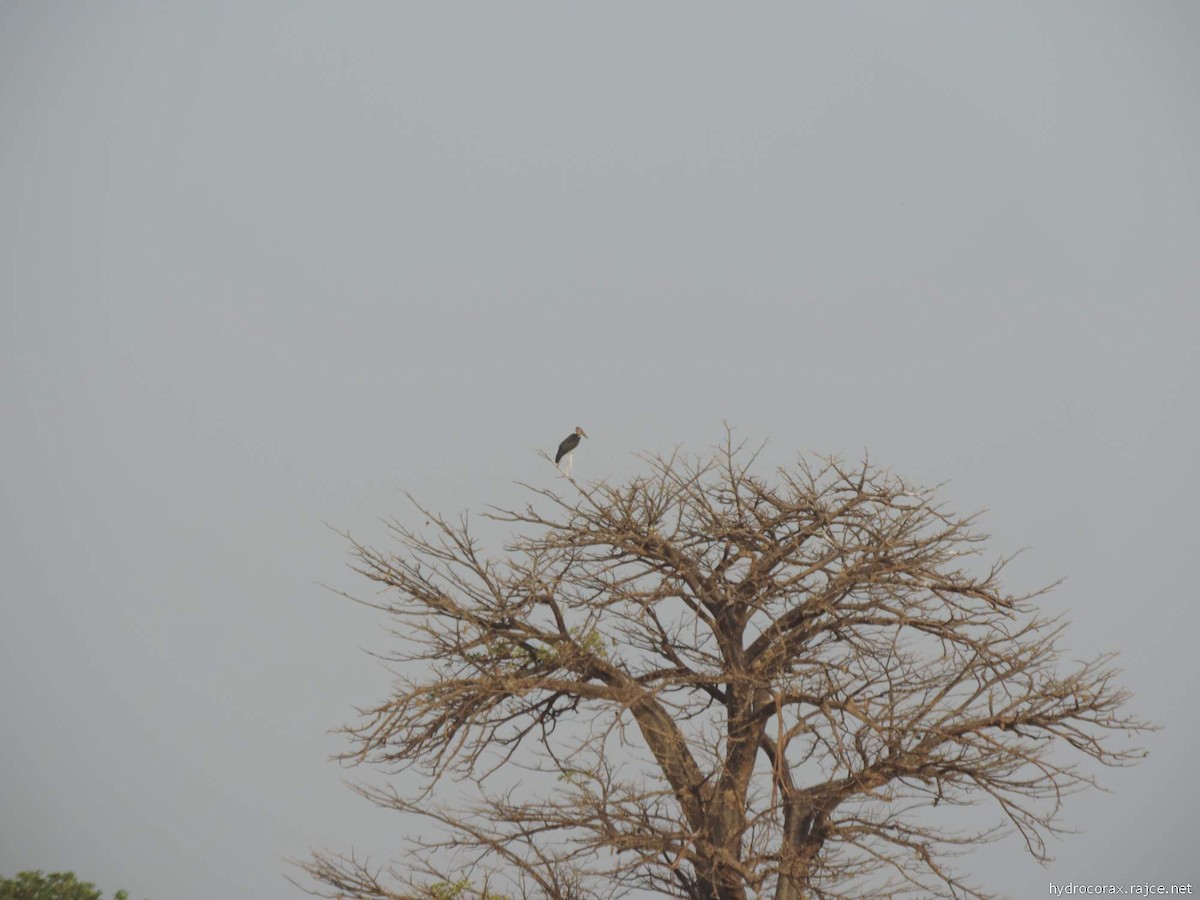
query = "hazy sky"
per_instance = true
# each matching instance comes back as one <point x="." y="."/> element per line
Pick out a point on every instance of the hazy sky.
<point x="265" y="265"/>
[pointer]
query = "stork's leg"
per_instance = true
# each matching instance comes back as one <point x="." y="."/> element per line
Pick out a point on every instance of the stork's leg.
<point x="570" y="463"/>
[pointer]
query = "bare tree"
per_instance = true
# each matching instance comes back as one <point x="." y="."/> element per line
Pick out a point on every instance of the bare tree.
<point x="741" y="688"/>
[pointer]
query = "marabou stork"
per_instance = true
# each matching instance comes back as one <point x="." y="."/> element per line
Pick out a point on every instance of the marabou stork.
<point x="567" y="448"/>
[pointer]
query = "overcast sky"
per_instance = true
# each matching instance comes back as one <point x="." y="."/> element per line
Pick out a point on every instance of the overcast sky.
<point x="266" y="265"/>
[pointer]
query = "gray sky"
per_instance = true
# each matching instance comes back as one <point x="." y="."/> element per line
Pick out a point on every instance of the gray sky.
<point x="264" y="265"/>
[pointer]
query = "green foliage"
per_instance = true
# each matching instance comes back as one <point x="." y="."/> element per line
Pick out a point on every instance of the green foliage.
<point x="446" y="890"/>
<point x="55" y="886"/>
<point x="592" y="642"/>
<point x="460" y="890"/>
<point x="513" y="657"/>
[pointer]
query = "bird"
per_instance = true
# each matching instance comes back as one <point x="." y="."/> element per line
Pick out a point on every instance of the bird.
<point x="567" y="448"/>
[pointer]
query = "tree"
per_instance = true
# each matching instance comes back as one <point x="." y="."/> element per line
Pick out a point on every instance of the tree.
<point x="55" y="886"/>
<point x="742" y="688"/>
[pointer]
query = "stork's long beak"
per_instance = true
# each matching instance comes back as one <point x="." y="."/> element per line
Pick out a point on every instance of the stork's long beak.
<point x="584" y="433"/>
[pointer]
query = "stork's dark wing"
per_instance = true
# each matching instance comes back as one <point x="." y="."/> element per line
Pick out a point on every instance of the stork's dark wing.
<point x="570" y="442"/>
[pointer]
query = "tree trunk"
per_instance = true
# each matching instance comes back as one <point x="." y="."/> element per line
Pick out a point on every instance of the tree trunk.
<point x="724" y="825"/>
<point x="801" y="842"/>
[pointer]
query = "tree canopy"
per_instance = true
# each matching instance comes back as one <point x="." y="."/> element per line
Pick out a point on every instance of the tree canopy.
<point x="711" y="684"/>
<point x="52" y="886"/>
